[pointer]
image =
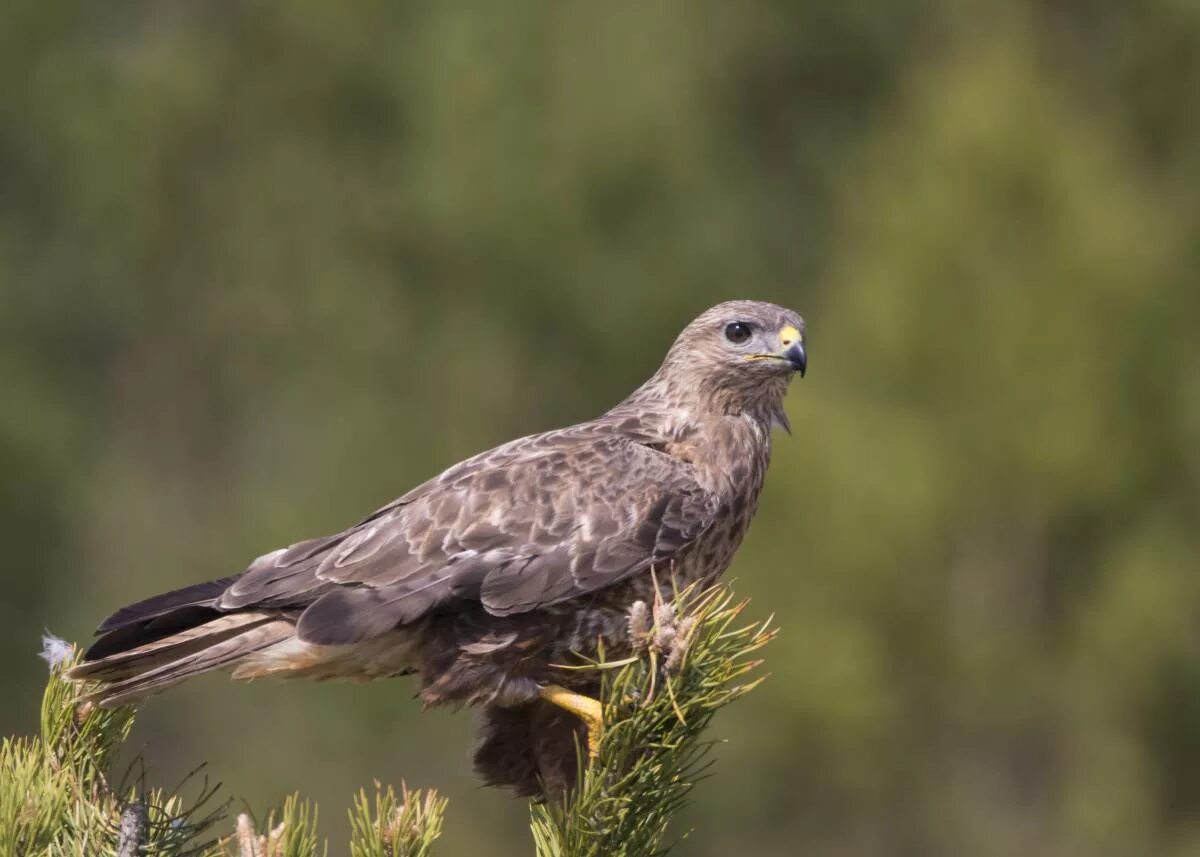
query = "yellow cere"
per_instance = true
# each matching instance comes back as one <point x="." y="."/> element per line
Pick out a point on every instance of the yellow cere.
<point x="788" y="335"/>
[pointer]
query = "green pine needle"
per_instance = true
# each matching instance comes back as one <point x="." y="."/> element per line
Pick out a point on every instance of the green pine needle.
<point x="57" y="791"/>
<point x="390" y="828"/>
<point x="290" y="832"/>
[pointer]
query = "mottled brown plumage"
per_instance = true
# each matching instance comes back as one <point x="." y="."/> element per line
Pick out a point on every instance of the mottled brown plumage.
<point x="520" y="558"/>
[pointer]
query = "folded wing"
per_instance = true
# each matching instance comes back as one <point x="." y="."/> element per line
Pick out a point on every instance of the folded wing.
<point x="525" y="526"/>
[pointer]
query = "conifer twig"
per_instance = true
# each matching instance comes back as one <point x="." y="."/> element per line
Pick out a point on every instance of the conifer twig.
<point x="387" y="827"/>
<point x="56" y="789"/>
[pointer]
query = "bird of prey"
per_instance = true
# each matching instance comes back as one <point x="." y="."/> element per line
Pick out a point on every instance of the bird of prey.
<point x="488" y="578"/>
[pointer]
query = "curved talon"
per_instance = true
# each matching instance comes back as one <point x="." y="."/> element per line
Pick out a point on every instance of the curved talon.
<point x="589" y="710"/>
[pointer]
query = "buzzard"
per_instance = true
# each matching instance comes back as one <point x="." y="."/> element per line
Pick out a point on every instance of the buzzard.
<point x="484" y="580"/>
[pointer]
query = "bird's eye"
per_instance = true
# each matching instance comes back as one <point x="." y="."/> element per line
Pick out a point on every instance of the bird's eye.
<point x="737" y="332"/>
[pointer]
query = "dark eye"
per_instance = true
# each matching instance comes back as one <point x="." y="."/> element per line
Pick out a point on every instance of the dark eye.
<point x="737" y="332"/>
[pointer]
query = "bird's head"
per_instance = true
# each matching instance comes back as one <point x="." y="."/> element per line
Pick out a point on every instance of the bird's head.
<point x="739" y="356"/>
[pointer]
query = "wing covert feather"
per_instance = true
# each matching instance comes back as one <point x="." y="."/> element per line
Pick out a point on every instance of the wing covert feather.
<point x="527" y="525"/>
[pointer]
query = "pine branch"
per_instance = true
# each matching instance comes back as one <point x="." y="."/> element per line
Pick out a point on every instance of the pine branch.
<point x="57" y="793"/>
<point x="694" y="657"/>
<point x="291" y="833"/>
<point x="388" y="829"/>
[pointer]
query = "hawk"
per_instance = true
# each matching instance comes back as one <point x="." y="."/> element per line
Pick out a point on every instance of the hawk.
<point x="484" y="580"/>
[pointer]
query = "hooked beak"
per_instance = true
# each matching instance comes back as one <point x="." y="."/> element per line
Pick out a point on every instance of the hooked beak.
<point x="791" y="351"/>
<point x="791" y="343"/>
<point x="796" y="357"/>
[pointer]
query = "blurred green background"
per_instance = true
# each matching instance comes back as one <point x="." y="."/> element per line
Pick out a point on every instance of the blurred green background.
<point x="265" y="266"/>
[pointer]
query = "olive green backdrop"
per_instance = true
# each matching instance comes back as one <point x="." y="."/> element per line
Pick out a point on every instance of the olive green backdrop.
<point x="263" y="266"/>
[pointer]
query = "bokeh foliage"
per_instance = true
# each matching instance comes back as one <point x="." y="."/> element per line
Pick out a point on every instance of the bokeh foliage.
<point x="263" y="266"/>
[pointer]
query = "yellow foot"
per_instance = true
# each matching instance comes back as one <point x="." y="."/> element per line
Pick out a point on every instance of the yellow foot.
<point x="589" y="710"/>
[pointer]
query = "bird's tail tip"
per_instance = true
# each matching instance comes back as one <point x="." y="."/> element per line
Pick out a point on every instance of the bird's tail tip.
<point x="128" y="673"/>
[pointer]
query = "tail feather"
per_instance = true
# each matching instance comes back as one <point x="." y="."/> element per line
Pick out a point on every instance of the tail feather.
<point x="204" y="652"/>
<point x="139" y="633"/>
<point x="155" y="643"/>
<point x="125" y="662"/>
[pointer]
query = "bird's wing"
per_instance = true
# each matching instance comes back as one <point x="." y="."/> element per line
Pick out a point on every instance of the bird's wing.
<point x="527" y="525"/>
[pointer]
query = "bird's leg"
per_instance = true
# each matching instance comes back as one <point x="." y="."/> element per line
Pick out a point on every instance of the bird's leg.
<point x="589" y="710"/>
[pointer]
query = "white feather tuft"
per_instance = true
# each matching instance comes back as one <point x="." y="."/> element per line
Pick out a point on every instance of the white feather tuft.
<point x="55" y="651"/>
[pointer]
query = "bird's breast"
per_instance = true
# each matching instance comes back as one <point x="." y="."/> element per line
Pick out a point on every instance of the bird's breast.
<point x="730" y="457"/>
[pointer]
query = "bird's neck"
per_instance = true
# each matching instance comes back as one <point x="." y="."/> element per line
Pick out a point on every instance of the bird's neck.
<point x="727" y="441"/>
<point x="702" y="401"/>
